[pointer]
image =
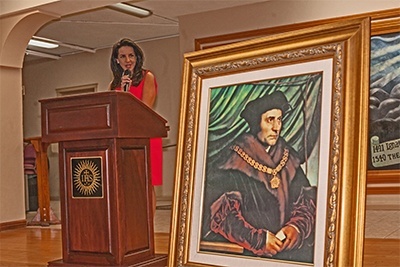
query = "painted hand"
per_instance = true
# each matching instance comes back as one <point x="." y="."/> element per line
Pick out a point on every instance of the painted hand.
<point x="273" y="245"/>
<point x="292" y="238"/>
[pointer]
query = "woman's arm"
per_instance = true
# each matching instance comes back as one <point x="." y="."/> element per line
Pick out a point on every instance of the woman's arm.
<point x="149" y="89"/>
<point x="110" y="86"/>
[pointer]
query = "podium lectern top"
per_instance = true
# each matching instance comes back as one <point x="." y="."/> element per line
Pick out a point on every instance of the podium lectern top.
<point x="108" y="114"/>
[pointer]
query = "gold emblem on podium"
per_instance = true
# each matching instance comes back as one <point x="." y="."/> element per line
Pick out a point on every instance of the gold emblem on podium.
<point x="87" y="178"/>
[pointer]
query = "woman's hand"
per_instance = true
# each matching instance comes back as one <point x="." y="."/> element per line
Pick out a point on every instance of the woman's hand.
<point x="125" y="82"/>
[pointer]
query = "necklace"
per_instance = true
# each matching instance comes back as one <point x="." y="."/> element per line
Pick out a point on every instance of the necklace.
<point x="275" y="181"/>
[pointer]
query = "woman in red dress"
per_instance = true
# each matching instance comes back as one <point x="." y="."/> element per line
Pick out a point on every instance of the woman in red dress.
<point x="129" y="75"/>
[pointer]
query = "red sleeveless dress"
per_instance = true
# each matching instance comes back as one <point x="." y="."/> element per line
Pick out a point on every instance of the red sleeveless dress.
<point x="155" y="143"/>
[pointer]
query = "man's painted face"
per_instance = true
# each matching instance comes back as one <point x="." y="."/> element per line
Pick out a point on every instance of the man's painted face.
<point x="270" y="125"/>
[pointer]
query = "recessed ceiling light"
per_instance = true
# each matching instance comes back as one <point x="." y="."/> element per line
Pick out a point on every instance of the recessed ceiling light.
<point x="42" y="44"/>
<point x="41" y="54"/>
<point x="131" y="10"/>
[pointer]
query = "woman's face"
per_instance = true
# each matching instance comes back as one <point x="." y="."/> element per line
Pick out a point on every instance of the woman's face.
<point x="126" y="58"/>
<point x="270" y="125"/>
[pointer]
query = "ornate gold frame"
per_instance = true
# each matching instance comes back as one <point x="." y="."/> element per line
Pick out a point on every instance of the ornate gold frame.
<point x="382" y="22"/>
<point x="346" y="42"/>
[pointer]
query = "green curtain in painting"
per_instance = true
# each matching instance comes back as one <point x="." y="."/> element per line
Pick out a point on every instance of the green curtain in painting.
<point x="301" y="125"/>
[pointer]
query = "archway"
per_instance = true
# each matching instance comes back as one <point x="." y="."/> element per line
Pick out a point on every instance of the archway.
<point x="16" y="29"/>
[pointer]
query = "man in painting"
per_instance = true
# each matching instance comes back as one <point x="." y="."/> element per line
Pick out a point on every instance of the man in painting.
<point x="259" y="198"/>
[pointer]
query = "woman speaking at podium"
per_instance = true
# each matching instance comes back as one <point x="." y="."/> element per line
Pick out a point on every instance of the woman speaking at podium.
<point x="129" y="75"/>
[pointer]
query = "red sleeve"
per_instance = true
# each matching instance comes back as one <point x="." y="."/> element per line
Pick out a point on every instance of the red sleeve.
<point x="227" y="220"/>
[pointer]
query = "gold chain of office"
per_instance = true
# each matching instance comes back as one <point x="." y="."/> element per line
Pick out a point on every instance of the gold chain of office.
<point x="275" y="181"/>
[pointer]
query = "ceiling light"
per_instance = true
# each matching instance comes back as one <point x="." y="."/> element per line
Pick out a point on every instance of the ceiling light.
<point x="42" y="44"/>
<point x="41" y="54"/>
<point x="58" y="43"/>
<point x="131" y="10"/>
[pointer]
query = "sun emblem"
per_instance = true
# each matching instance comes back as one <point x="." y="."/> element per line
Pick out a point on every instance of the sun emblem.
<point x="87" y="177"/>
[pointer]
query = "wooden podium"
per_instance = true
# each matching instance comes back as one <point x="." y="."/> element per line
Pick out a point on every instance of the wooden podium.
<point x="105" y="184"/>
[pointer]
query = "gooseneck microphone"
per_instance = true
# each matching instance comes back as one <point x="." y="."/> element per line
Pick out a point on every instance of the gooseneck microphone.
<point x="126" y="86"/>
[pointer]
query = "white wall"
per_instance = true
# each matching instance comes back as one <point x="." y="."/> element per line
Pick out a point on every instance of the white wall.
<point x="270" y="14"/>
<point x="42" y="79"/>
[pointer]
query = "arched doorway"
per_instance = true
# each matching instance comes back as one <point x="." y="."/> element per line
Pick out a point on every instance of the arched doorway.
<point x="17" y="27"/>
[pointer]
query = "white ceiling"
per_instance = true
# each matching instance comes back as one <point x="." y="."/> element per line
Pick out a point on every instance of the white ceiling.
<point x="101" y="28"/>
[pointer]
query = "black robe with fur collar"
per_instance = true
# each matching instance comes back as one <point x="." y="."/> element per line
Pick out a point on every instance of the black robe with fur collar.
<point x="241" y="206"/>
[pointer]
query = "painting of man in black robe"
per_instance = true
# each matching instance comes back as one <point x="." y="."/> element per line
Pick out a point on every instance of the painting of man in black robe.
<point x="262" y="169"/>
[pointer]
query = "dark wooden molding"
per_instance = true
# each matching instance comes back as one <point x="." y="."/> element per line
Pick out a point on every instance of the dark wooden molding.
<point x="12" y="225"/>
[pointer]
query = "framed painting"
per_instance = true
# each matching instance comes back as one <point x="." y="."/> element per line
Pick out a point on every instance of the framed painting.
<point x="272" y="151"/>
<point x="384" y="106"/>
<point x="383" y="175"/>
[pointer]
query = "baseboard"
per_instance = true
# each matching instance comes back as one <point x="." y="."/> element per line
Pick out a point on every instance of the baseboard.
<point x="383" y="202"/>
<point x="12" y="225"/>
<point x="164" y="198"/>
<point x="383" y="207"/>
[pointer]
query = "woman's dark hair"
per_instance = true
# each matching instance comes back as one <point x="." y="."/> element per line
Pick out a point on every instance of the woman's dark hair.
<point x="117" y="70"/>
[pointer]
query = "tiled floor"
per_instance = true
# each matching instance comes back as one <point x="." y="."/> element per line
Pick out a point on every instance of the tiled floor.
<point x="162" y="219"/>
<point x="382" y="224"/>
<point x="382" y="217"/>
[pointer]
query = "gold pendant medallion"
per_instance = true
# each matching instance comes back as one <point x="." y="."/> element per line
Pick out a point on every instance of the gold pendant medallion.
<point x="275" y="181"/>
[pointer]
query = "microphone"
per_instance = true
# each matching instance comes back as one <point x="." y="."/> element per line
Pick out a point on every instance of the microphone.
<point x="126" y="86"/>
